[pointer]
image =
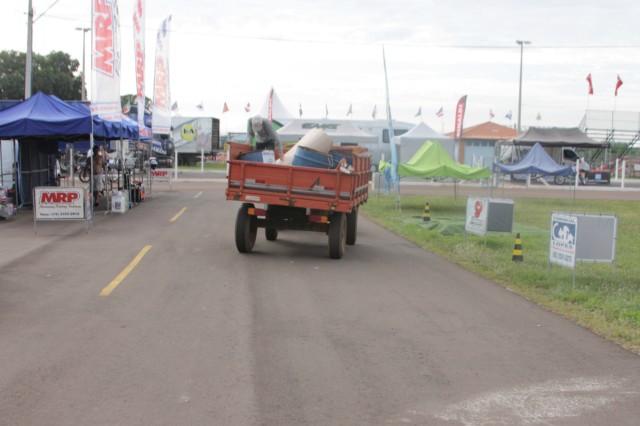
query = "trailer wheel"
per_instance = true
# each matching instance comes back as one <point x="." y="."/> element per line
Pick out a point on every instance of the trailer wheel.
<point x="559" y="180"/>
<point x="352" y="226"/>
<point x="271" y="234"/>
<point x="246" y="229"/>
<point x="337" y="235"/>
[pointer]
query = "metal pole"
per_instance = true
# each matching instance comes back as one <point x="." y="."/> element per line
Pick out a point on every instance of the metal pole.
<point x="29" y="59"/>
<point x="521" y="43"/>
<point x="84" y="87"/>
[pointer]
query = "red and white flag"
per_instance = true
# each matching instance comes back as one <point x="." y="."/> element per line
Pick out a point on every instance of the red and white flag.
<point x="460" y="109"/>
<point x="248" y="107"/>
<point x="225" y="108"/>
<point x="105" y="60"/>
<point x="618" y="84"/>
<point x="161" y="123"/>
<point x="138" y="45"/>
<point x="590" y="84"/>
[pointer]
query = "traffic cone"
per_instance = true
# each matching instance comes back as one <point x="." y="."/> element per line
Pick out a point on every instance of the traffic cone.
<point x="426" y="217"/>
<point x="517" y="250"/>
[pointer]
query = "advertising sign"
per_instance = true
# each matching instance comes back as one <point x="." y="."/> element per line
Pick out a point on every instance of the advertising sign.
<point x="52" y="203"/>
<point x="476" y="222"/>
<point x="161" y="176"/>
<point x="192" y="134"/>
<point x="562" y="245"/>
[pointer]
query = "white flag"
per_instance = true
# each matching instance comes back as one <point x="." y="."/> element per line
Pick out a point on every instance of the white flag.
<point x="139" y="13"/>
<point x="105" y="59"/>
<point x="161" y="95"/>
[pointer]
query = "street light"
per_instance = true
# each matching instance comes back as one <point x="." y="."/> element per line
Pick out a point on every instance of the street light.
<point x="84" y="31"/>
<point x="521" y="43"/>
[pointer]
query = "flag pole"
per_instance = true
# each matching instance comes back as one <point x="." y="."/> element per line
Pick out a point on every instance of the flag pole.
<point x="392" y="138"/>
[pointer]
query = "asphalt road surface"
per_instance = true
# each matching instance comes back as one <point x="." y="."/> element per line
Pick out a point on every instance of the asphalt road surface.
<point x="154" y="318"/>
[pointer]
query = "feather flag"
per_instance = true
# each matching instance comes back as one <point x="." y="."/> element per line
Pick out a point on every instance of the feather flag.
<point x="419" y="113"/>
<point x="248" y="107"/>
<point x="326" y="111"/>
<point x="350" y="112"/>
<point x="508" y="115"/>
<point x="590" y="84"/>
<point x="618" y="84"/>
<point x="440" y="112"/>
<point x="392" y="138"/>
<point x="491" y="114"/>
<point x="225" y="108"/>
<point x="300" y="109"/>
<point x="375" y="111"/>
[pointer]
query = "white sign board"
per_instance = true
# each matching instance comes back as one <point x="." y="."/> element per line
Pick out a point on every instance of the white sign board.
<point x="161" y="176"/>
<point x="562" y="243"/>
<point x="476" y="222"/>
<point x="57" y="202"/>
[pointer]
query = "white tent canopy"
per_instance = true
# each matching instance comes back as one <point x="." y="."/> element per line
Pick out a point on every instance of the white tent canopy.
<point x="341" y="132"/>
<point x="278" y="111"/>
<point x="410" y="142"/>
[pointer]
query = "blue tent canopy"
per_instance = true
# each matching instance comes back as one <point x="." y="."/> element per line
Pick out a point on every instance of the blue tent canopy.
<point x="538" y="162"/>
<point x="44" y="116"/>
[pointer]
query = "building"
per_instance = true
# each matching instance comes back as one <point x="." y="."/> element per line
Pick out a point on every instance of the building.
<point x="477" y="145"/>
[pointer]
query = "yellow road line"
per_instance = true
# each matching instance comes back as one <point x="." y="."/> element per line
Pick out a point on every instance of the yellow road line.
<point x="198" y="195"/>
<point x="126" y="271"/>
<point x="173" y="219"/>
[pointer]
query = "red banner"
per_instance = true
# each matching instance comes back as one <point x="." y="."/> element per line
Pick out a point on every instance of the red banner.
<point x="460" y="109"/>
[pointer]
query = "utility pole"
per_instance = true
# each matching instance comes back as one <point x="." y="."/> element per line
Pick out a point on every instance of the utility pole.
<point x="84" y="87"/>
<point x="29" y="60"/>
<point x="521" y="43"/>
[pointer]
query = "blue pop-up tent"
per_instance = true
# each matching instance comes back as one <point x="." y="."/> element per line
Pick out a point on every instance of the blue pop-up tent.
<point x="536" y="162"/>
<point x="40" y="122"/>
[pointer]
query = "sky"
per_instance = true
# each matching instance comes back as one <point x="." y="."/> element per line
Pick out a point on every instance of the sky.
<point x="327" y="55"/>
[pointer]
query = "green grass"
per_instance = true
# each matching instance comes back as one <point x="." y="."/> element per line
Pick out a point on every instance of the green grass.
<point x="605" y="298"/>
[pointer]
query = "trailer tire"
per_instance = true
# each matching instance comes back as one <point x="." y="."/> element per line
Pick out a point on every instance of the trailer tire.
<point x="559" y="180"/>
<point x="246" y="229"/>
<point x="352" y="226"/>
<point x="337" y="235"/>
<point x="271" y="234"/>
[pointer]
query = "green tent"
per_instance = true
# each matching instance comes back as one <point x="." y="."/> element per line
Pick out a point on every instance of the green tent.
<point x="432" y="161"/>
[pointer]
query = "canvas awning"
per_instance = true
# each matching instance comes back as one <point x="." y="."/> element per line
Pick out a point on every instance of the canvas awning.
<point x="536" y="162"/>
<point x="432" y="161"/>
<point x="557" y="136"/>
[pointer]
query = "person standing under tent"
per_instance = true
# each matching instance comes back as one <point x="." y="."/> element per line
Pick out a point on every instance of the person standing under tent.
<point x="98" y="164"/>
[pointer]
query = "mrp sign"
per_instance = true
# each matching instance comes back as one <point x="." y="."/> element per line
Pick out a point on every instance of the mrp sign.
<point x="161" y="176"/>
<point x="59" y="203"/>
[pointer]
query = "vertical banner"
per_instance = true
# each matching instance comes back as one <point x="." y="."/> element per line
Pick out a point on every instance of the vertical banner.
<point x="139" y="13"/>
<point x="105" y="59"/>
<point x="457" y="134"/>
<point x="392" y="138"/>
<point x="270" y="105"/>
<point x="161" y="94"/>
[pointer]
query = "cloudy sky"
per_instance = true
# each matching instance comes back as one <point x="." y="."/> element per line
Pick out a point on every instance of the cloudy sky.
<point x="328" y="54"/>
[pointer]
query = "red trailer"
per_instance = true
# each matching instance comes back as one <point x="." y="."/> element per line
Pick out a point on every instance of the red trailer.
<point x="297" y="198"/>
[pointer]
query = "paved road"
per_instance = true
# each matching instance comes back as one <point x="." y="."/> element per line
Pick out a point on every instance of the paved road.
<point x="198" y="334"/>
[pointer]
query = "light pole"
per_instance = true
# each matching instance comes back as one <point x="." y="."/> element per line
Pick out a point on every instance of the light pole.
<point x="521" y="43"/>
<point x="29" y="57"/>
<point x="84" y="31"/>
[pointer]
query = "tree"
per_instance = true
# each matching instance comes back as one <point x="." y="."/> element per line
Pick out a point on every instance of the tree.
<point x="131" y="101"/>
<point x="54" y="74"/>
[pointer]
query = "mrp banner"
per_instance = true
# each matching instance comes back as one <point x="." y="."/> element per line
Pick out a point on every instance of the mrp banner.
<point x="105" y="60"/>
<point x="161" y="123"/>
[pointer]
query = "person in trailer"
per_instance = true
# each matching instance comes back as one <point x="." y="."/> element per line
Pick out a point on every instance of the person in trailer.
<point x="264" y="133"/>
